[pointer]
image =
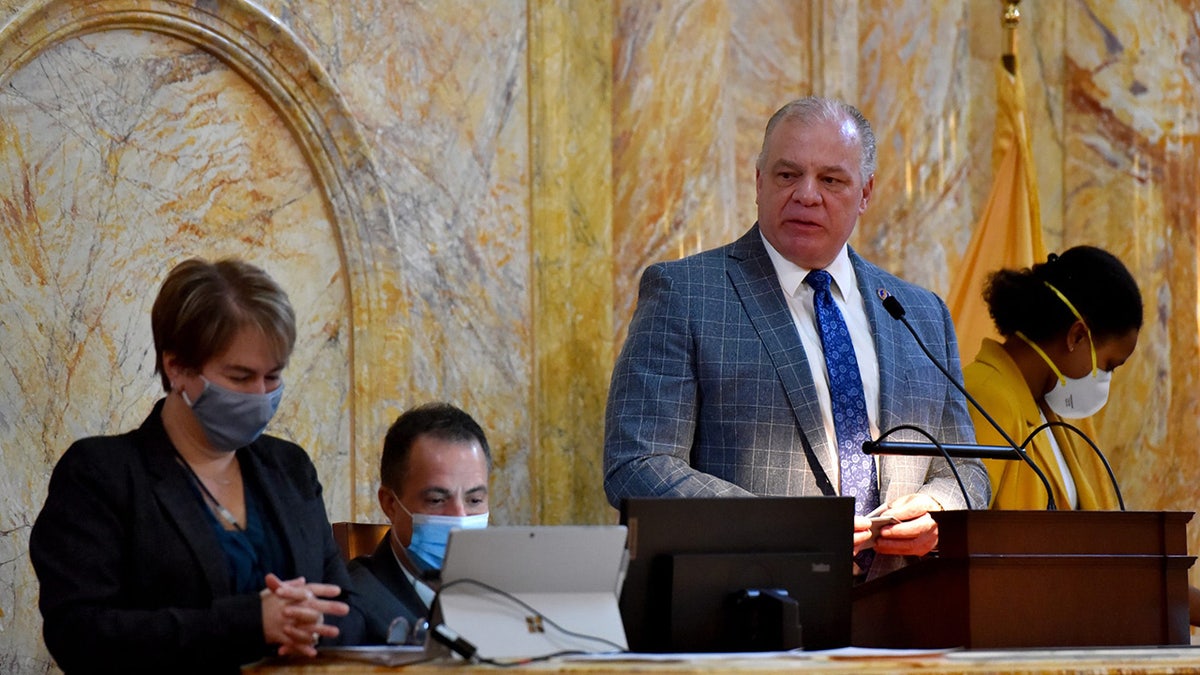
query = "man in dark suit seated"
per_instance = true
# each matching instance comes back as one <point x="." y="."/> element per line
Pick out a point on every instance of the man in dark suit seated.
<point x="433" y="478"/>
<point x="760" y="367"/>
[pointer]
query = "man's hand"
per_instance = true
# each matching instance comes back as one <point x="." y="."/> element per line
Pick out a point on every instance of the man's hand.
<point x="916" y="534"/>
<point x="862" y="534"/>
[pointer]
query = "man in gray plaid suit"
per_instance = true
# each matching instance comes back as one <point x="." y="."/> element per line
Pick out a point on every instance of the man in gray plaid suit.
<point x="721" y="388"/>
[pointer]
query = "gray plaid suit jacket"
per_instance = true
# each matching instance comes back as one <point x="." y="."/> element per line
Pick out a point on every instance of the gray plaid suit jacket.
<point x="712" y="390"/>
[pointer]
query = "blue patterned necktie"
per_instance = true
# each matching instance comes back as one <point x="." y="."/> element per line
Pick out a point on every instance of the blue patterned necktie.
<point x="846" y="393"/>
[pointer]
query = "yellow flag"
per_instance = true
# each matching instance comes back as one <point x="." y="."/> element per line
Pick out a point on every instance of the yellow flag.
<point x="1009" y="233"/>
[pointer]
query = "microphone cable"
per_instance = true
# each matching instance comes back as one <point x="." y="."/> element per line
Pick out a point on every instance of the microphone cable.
<point x="465" y="649"/>
<point x="1103" y="460"/>
<point x="946" y="455"/>
<point x="896" y="310"/>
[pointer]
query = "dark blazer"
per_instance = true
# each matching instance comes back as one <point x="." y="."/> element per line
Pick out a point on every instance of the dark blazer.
<point x="132" y="575"/>
<point x="712" y="391"/>
<point x="384" y="592"/>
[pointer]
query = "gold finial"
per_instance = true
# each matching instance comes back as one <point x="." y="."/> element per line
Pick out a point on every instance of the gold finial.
<point x="1012" y="17"/>
<point x="1012" y="14"/>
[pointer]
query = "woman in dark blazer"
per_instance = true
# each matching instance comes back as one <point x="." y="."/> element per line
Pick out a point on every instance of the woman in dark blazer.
<point x="167" y="548"/>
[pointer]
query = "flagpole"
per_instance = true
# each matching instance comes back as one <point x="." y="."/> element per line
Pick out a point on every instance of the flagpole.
<point x="1008" y="232"/>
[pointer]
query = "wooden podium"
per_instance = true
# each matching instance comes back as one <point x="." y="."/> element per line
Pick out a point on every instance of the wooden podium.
<point x="1036" y="579"/>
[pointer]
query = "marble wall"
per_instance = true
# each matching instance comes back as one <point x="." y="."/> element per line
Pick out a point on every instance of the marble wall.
<point x="460" y="197"/>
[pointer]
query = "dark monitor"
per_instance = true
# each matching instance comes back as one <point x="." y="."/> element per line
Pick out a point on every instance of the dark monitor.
<point x="737" y="574"/>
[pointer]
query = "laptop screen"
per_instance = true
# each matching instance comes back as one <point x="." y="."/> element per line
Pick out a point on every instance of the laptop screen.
<point x="729" y="574"/>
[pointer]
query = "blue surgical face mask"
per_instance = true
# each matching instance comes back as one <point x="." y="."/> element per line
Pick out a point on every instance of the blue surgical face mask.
<point x="430" y="535"/>
<point x="233" y="419"/>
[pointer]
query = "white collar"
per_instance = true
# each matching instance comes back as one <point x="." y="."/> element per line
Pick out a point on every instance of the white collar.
<point x="791" y="276"/>
<point x="424" y="590"/>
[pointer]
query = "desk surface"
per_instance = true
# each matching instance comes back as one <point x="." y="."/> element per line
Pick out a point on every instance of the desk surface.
<point x="1160" y="660"/>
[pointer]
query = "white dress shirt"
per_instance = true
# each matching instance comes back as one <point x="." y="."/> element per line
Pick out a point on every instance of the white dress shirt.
<point x="849" y="301"/>
<point x="423" y="590"/>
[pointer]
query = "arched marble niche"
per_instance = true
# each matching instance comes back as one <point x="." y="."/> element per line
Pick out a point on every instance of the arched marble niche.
<point x="134" y="135"/>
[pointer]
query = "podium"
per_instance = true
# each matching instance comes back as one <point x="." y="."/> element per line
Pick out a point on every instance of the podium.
<point x="1036" y="579"/>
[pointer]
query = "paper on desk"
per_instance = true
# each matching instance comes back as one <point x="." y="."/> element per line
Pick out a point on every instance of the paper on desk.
<point x="383" y="655"/>
<point x="877" y="653"/>
<point x="668" y="657"/>
<point x="1080" y="653"/>
<point x="840" y="653"/>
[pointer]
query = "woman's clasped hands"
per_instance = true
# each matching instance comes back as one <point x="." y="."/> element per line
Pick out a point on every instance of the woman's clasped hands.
<point x="294" y="612"/>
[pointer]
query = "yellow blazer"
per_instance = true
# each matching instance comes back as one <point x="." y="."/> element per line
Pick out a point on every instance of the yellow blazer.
<point x="995" y="381"/>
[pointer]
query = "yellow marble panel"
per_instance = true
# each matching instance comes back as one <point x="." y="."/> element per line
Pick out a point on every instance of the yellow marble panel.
<point x="688" y="122"/>
<point x="462" y="190"/>
<point x="570" y="64"/>
<point x="771" y="61"/>
<point x="1040" y="39"/>
<point x="671" y="167"/>
<point x="440" y="90"/>
<point x="911" y="90"/>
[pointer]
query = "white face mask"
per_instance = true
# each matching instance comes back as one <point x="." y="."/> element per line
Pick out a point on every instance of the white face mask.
<point x="1075" y="397"/>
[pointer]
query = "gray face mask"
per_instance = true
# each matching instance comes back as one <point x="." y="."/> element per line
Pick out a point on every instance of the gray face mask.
<point x="232" y="419"/>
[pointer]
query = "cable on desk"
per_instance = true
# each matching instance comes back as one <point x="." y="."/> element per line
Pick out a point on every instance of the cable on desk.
<point x="459" y="645"/>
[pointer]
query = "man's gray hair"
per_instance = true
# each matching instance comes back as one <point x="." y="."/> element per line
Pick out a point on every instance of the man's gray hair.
<point x="811" y="109"/>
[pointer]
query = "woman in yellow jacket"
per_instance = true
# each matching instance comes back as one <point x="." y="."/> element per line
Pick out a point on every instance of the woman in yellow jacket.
<point x="1066" y="325"/>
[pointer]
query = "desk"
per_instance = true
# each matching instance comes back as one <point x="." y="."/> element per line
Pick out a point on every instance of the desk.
<point x="1142" y="661"/>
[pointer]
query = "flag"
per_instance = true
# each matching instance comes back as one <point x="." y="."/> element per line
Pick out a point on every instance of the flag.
<point x="1009" y="233"/>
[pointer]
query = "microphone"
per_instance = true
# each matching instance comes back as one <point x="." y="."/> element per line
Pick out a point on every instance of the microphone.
<point x="893" y="307"/>
<point x="918" y="449"/>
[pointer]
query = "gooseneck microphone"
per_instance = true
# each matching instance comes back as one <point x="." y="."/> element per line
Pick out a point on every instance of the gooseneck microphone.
<point x="893" y="307"/>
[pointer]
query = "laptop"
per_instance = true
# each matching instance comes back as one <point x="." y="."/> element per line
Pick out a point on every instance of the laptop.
<point x="533" y="591"/>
